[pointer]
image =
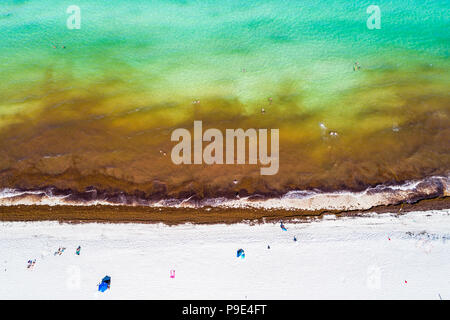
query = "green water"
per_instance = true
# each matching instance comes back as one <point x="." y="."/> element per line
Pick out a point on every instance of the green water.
<point x="137" y="65"/>
<point x="198" y="48"/>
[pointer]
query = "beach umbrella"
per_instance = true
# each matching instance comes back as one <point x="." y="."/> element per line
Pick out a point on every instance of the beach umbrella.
<point x="240" y="253"/>
<point x="104" y="285"/>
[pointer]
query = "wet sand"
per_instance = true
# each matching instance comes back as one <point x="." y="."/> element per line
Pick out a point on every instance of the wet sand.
<point x="206" y="215"/>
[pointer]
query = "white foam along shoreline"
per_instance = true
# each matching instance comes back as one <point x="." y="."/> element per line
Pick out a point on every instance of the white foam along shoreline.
<point x="294" y="200"/>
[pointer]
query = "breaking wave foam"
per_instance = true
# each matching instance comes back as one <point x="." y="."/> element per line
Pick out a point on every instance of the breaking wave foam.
<point x="312" y="200"/>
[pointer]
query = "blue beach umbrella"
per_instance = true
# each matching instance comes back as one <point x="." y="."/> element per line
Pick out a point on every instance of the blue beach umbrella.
<point x="104" y="285"/>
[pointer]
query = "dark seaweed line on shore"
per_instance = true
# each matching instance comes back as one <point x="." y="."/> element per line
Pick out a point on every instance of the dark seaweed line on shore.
<point x="176" y="216"/>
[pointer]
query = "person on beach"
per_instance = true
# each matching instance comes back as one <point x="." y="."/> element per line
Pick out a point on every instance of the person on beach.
<point x="60" y="251"/>
<point x="31" y="264"/>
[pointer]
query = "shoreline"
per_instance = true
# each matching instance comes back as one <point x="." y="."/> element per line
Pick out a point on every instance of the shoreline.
<point x="206" y="215"/>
